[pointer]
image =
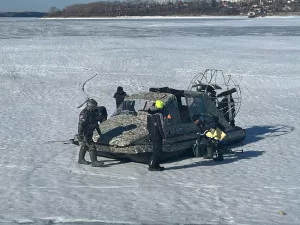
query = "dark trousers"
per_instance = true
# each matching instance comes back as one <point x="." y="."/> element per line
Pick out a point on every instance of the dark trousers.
<point x="202" y="145"/>
<point x="88" y="144"/>
<point x="157" y="150"/>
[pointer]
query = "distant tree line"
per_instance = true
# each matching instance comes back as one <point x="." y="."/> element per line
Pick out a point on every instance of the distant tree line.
<point x="171" y="8"/>
<point x="23" y="14"/>
<point x="145" y="8"/>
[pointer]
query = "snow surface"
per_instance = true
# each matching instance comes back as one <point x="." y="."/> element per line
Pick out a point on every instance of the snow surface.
<point x="43" y="64"/>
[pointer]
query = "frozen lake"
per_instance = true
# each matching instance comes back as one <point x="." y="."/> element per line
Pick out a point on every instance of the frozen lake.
<point x="43" y="64"/>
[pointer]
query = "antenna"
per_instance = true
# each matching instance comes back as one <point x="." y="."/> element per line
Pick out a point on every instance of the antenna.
<point x="86" y="94"/>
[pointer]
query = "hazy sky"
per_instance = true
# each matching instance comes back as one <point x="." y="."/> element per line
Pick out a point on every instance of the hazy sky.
<point x="37" y="5"/>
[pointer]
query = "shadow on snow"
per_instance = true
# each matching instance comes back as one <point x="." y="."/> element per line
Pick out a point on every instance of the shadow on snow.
<point x="119" y="130"/>
<point x="257" y="133"/>
<point x="227" y="159"/>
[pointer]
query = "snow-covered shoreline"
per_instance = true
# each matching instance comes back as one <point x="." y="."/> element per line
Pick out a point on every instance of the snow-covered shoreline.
<point x="137" y="17"/>
<point x="169" y="17"/>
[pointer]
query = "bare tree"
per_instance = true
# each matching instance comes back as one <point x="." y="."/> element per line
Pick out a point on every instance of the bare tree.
<point x="54" y="11"/>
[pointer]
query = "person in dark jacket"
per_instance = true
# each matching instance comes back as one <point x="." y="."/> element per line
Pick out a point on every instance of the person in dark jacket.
<point x="207" y="122"/>
<point x="155" y="128"/>
<point x="102" y="113"/>
<point x="119" y="96"/>
<point x="88" y="122"/>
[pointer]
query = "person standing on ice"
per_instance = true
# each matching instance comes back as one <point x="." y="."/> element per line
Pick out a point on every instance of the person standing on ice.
<point x="88" y="122"/>
<point x="119" y="96"/>
<point x="155" y="126"/>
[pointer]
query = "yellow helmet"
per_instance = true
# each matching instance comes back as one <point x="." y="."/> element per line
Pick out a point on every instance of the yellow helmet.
<point x="159" y="104"/>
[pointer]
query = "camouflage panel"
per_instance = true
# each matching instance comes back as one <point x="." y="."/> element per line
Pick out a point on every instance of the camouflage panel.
<point x="152" y="96"/>
<point x="133" y="138"/>
<point x="146" y="148"/>
<point x="127" y="150"/>
<point x="235" y="135"/>
<point x="123" y="130"/>
<point x="211" y="108"/>
<point x="182" y="131"/>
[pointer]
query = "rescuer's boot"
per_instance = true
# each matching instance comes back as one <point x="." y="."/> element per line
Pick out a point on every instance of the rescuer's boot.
<point x="95" y="162"/>
<point x="81" y="159"/>
<point x="219" y="155"/>
<point x="209" y="152"/>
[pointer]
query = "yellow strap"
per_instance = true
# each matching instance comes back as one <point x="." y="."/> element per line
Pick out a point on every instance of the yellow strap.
<point x="216" y="134"/>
